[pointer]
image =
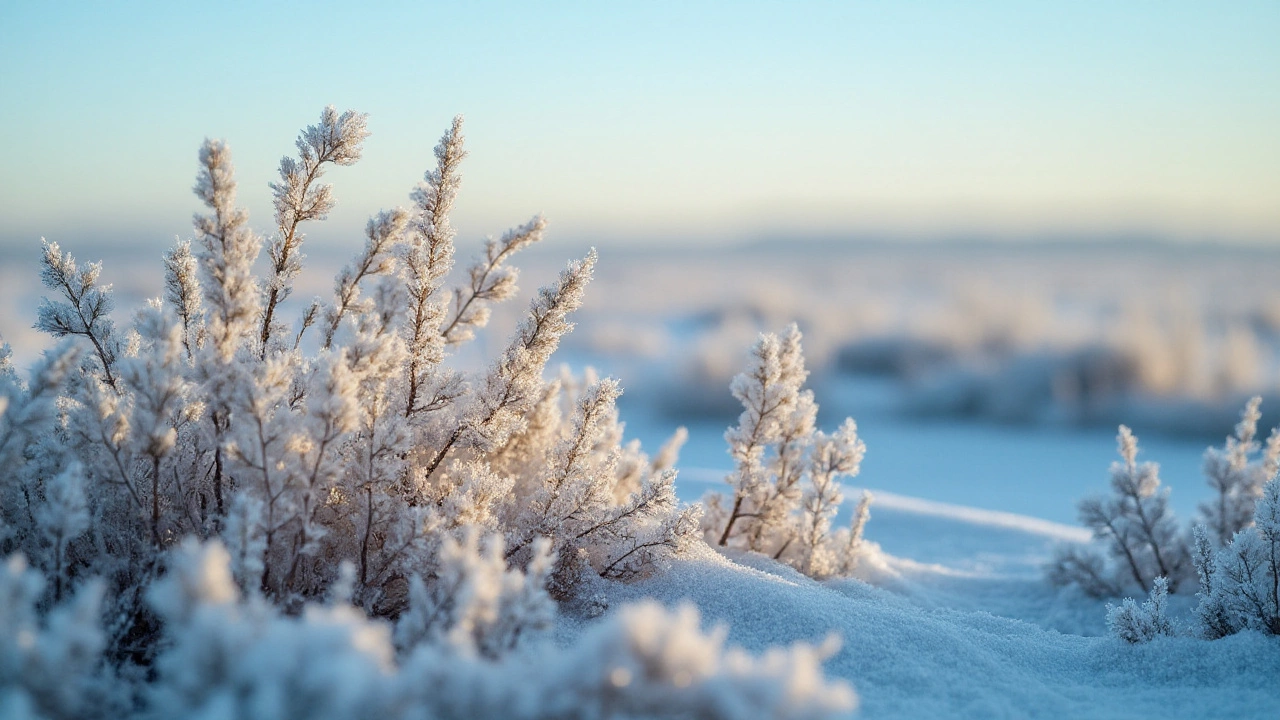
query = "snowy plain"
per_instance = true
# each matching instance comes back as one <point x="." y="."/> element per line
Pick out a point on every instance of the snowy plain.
<point x="950" y="616"/>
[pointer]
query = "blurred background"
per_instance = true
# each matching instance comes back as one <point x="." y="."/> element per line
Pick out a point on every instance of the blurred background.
<point x="1003" y="228"/>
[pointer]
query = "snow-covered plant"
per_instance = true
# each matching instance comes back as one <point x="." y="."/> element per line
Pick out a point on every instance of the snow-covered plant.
<point x="427" y="257"/>
<point x="182" y="293"/>
<point x="85" y="308"/>
<point x="1240" y="584"/>
<point x="575" y="501"/>
<point x="478" y="605"/>
<point x="228" y="251"/>
<point x="1138" y="624"/>
<point x="1236" y="472"/>
<point x="362" y="446"/>
<point x="1212" y="615"/>
<point x="337" y="139"/>
<point x="643" y="662"/>
<point x="30" y="452"/>
<point x="51" y="663"/>
<point x="776" y="415"/>
<point x="1136" y="528"/>
<point x="831" y="456"/>
<point x="785" y="479"/>
<point x="238" y="513"/>
<point x="228" y="655"/>
<point x="652" y="662"/>
<point x="850" y="539"/>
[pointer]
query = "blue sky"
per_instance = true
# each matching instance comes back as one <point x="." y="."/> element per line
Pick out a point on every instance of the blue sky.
<point x="660" y="121"/>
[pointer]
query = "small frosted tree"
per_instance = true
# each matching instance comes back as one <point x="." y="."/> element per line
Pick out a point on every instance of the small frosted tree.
<point x="775" y="413"/>
<point x="1140" y="537"/>
<point x="1212" y="616"/>
<point x="1241" y="582"/>
<point x="1135" y="623"/>
<point x="1236" y="473"/>
<point x="785" y="479"/>
<point x="830" y="457"/>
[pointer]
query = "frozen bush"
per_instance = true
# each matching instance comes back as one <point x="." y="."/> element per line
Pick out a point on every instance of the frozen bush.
<point x="51" y="663"/>
<point x="258" y="507"/>
<point x="477" y="604"/>
<point x="1212" y="615"/>
<point x="227" y="656"/>
<point x="210" y="420"/>
<point x="1236" y="472"/>
<point x="646" y="661"/>
<point x="785" y="481"/>
<point x="1138" y="624"/>
<point x="1241" y="583"/>
<point x="1136" y="529"/>
<point x="235" y="657"/>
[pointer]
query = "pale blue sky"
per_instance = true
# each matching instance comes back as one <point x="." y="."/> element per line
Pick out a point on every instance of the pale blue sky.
<point x="660" y="120"/>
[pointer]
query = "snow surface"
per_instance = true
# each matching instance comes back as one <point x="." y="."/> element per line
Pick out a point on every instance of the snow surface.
<point x="912" y="651"/>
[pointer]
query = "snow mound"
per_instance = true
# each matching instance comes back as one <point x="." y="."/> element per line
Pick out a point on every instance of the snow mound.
<point x="909" y="660"/>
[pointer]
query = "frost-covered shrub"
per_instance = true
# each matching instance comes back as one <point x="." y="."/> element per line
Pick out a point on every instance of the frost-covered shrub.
<point x="1138" y="624"/>
<point x="228" y="656"/>
<point x="234" y="655"/>
<point x="231" y="656"/>
<point x="1240" y="584"/>
<point x="478" y="605"/>
<point x="643" y="662"/>
<point x="1212" y="616"/>
<point x="1140" y="537"/>
<point x="208" y="418"/>
<point x="1236" y="472"/>
<point x="51" y="662"/>
<point x="785" y="481"/>
<point x="28" y="454"/>
<point x="463" y="503"/>
<point x="648" y="661"/>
